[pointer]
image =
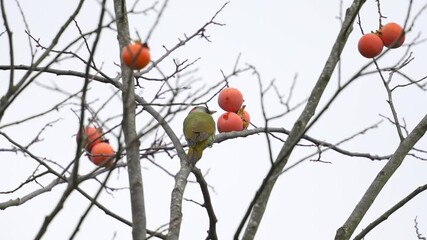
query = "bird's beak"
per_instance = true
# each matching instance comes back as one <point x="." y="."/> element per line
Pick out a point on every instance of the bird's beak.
<point x="212" y="112"/>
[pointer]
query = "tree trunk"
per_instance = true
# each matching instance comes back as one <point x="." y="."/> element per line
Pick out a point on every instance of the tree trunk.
<point x="131" y="139"/>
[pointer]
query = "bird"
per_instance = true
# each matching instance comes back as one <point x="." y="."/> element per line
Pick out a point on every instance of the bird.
<point x="199" y="131"/>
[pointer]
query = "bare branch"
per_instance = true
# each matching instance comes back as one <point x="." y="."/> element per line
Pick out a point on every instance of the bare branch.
<point x="259" y="202"/>
<point x="139" y="228"/>
<point x="207" y="204"/>
<point x="200" y="32"/>
<point x="156" y="23"/>
<point x="389" y="212"/>
<point x="345" y="232"/>
<point x="417" y="231"/>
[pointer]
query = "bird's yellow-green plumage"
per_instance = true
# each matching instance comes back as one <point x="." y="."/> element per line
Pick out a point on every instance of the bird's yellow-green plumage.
<point x="199" y="131"/>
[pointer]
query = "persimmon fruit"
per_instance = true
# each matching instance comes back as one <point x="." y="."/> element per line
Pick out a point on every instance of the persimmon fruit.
<point x="228" y="122"/>
<point x="392" y="35"/>
<point x="102" y="154"/>
<point x="136" y="55"/>
<point x="230" y="99"/>
<point x="370" y="45"/>
<point x="244" y="115"/>
<point x="89" y="136"/>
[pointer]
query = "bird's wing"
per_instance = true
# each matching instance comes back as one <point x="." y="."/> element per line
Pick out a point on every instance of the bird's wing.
<point x="201" y="130"/>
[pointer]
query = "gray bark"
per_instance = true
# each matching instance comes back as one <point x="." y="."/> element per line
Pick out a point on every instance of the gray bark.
<point x="345" y="232"/>
<point x="139" y="230"/>
<point x="300" y="125"/>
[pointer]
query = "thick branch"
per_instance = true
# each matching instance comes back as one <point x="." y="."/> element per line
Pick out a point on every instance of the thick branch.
<point x="129" y="130"/>
<point x="207" y="204"/>
<point x="345" y="232"/>
<point x="176" y="200"/>
<point x="259" y="203"/>
<point x="186" y="167"/>
<point x="389" y="212"/>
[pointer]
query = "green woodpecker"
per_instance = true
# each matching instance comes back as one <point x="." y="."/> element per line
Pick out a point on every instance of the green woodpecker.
<point x="199" y="131"/>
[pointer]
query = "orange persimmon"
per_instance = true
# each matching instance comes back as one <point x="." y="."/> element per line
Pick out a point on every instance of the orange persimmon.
<point x="136" y="55"/>
<point x="392" y="35"/>
<point x="102" y="154"/>
<point x="230" y="99"/>
<point x="370" y="45"/>
<point x="89" y="136"/>
<point x="229" y="121"/>
<point x="244" y="115"/>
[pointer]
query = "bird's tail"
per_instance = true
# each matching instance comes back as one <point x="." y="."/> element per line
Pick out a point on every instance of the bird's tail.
<point x="194" y="154"/>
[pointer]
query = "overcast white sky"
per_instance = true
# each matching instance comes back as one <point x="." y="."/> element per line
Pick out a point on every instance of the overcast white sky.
<point x="280" y="39"/>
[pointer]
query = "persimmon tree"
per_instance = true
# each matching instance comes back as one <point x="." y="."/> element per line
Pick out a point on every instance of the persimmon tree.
<point x="139" y="112"/>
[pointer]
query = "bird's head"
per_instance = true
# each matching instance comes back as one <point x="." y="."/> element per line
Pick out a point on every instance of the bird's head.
<point x="202" y="109"/>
